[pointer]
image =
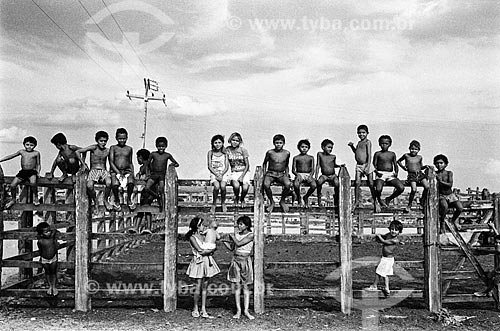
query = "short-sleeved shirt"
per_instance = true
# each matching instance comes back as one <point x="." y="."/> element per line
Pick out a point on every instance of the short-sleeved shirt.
<point x="237" y="158"/>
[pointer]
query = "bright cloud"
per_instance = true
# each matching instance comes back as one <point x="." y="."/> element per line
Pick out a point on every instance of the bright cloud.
<point x="188" y="106"/>
<point x="12" y="135"/>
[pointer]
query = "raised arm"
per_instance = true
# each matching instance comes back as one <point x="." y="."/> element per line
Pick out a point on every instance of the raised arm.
<point x="351" y="144"/>
<point x="11" y="156"/>
<point x="173" y="162"/>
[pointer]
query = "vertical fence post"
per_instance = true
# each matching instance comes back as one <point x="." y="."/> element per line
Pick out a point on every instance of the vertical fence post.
<point x="496" y="202"/>
<point x="2" y="199"/>
<point x="170" y="253"/>
<point x="432" y="265"/>
<point x="71" y="219"/>
<point x="345" y="230"/>
<point x="83" y="229"/>
<point x="258" y="212"/>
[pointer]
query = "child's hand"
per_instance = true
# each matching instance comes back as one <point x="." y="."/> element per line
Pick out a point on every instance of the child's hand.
<point x="49" y="175"/>
<point x="351" y="144"/>
<point x="378" y="174"/>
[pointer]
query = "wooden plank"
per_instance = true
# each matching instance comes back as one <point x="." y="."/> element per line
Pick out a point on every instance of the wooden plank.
<point x="32" y="264"/>
<point x="82" y="245"/>
<point x="37" y="293"/>
<point x="43" y="207"/>
<point x="432" y="262"/>
<point x="45" y="182"/>
<point x="170" y="252"/>
<point x="259" y="237"/>
<point x="345" y="235"/>
<point x="25" y="236"/>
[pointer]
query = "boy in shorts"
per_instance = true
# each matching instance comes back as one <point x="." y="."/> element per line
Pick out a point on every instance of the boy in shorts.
<point x="447" y="199"/>
<point x="275" y="168"/>
<point x="48" y="245"/>
<point x="303" y="169"/>
<point x="122" y="169"/>
<point x="66" y="159"/>
<point x="364" y="167"/>
<point x="326" y="163"/>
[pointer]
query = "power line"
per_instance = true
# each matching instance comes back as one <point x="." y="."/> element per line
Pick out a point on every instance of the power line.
<point x="124" y="36"/>
<point x="77" y="45"/>
<point x="105" y="35"/>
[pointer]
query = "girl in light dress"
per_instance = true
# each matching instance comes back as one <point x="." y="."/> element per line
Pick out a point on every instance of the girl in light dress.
<point x="202" y="266"/>
<point x="240" y="175"/>
<point x="218" y="165"/>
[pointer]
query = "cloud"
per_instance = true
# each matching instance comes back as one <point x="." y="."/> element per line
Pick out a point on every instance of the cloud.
<point x="12" y="134"/>
<point x="188" y="106"/>
<point x="493" y="167"/>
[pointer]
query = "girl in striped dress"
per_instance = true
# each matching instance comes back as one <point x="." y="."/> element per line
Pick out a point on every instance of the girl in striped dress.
<point x="218" y="165"/>
<point x="241" y="269"/>
<point x="202" y="266"/>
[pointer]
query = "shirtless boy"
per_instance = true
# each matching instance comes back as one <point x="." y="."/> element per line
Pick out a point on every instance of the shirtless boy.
<point x="326" y="162"/>
<point x="98" y="172"/>
<point x="66" y="159"/>
<point x="122" y="168"/>
<point x="447" y="199"/>
<point x="30" y="168"/>
<point x="303" y="169"/>
<point x="364" y="167"/>
<point x="158" y="163"/>
<point x="275" y="168"/>
<point x="386" y="171"/>
<point x="413" y="164"/>
<point x="48" y="245"/>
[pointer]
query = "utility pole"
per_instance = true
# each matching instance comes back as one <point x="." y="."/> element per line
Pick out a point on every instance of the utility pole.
<point x="149" y="85"/>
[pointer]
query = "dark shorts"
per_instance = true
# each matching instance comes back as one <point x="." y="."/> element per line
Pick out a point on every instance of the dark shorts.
<point x="157" y="177"/>
<point x="417" y="177"/>
<point x="26" y="174"/>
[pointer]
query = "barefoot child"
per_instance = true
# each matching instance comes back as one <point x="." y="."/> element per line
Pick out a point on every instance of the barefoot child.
<point x="158" y="163"/>
<point x="211" y="235"/>
<point x="385" y="267"/>
<point x="303" y="169"/>
<point x="66" y="159"/>
<point x="326" y="162"/>
<point x="202" y="266"/>
<point x="241" y="269"/>
<point x="386" y="171"/>
<point x="122" y="169"/>
<point x="47" y="244"/>
<point x="240" y="174"/>
<point x="413" y="164"/>
<point x="218" y="165"/>
<point x="275" y="168"/>
<point x="30" y="168"/>
<point x="98" y="172"/>
<point x="143" y="174"/>
<point x="364" y="167"/>
<point x="447" y="199"/>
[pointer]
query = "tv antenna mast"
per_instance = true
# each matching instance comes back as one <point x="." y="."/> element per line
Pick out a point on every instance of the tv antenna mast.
<point x="149" y="85"/>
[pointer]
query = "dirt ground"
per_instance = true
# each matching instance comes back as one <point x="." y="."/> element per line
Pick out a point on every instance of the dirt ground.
<point x="300" y="313"/>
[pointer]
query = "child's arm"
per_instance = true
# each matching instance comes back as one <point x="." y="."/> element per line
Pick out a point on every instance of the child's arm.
<point x="54" y="166"/>
<point x="11" y="156"/>
<point x="226" y="164"/>
<point x="38" y="160"/>
<point x="351" y="144"/>
<point x="294" y="166"/>
<point x="173" y="162"/>
<point x="243" y="241"/>
<point x="449" y="183"/>
<point x="194" y="243"/>
<point x="375" y="161"/>
<point x="79" y="152"/>
<point x="317" y="166"/>
<point x="247" y="163"/>
<point x="400" y="162"/>
<point x="384" y="241"/>
<point x="266" y="160"/>
<point x="369" y="151"/>
<point x="209" y="163"/>
<point x="312" y="168"/>
<point x="112" y="165"/>
<point x="395" y="164"/>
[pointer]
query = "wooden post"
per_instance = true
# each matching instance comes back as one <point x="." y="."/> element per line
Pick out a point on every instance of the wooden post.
<point x="258" y="212"/>
<point x="496" y="201"/>
<point x="345" y="230"/>
<point x="2" y="199"/>
<point x="49" y="196"/>
<point x="170" y="253"/>
<point x="83" y="230"/>
<point x="71" y="218"/>
<point x="432" y="263"/>
<point x="304" y="224"/>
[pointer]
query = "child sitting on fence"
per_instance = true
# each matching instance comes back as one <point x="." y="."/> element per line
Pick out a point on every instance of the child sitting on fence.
<point x="326" y="163"/>
<point x="144" y="219"/>
<point x="122" y="169"/>
<point x="218" y="165"/>
<point x="158" y="164"/>
<point x="385" y="267"/>
<point x="413" y="164"/>
<point x="202" y="267"/>
<point x="48" y="245"/>
<point x="386" y="171"/>
<point x="98" y="172"/>
<point x="240" y="166"/>
<point x="275" y="168"/>
<point x="66" y="160"/>
<point x="303" y="169"/>
<point x="364" y="166"/>
<point x="447" y="199"/>
<point x="30" y="169"/>
<point x="241" y="269"/>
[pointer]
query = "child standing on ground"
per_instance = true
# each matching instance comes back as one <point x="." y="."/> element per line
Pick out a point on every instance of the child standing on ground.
<point x="66" y="159"/>
<point x="303" y="169"/>
<point x="241" y="269"/>
<point x="158" y="163"/>
<point x="240" y="174"/>
<point x="447" y="199"/>
<point x="275" y="168"/>
<point x="98" y="172"/>
<point x="30" y="169"/>
<point x="326" y="162"/>
<point x="122" y="168"/>
<point x="364" y="167"/>
<point x="202" y="266"/>
<point x="218" y="165"/>
<point x="47" y="244"/>
<point x="413" y="164"/>
<point x="385" y="267"/>
<point x="386" y="171"/>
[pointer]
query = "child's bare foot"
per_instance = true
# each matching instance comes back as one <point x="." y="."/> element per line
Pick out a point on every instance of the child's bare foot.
<point x="49" y="292"/>
<point x="306" y="202"/>
<point x="107" y="205"/>
<point x="224" y="208"/>
<point x="9" y="204"/>
<point x="270" y="208"/>
<point x="237" y="315"/>
<point x="376" y="208"/>
<point x="250" y="317"/>
<point x="284" y="206"/>
<point x="55" y="291"/>
<point x="36" y="202"/>
<point x="212" y="209"/>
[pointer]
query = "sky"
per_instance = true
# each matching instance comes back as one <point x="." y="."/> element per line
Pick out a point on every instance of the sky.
<point x="412" y="69"/>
